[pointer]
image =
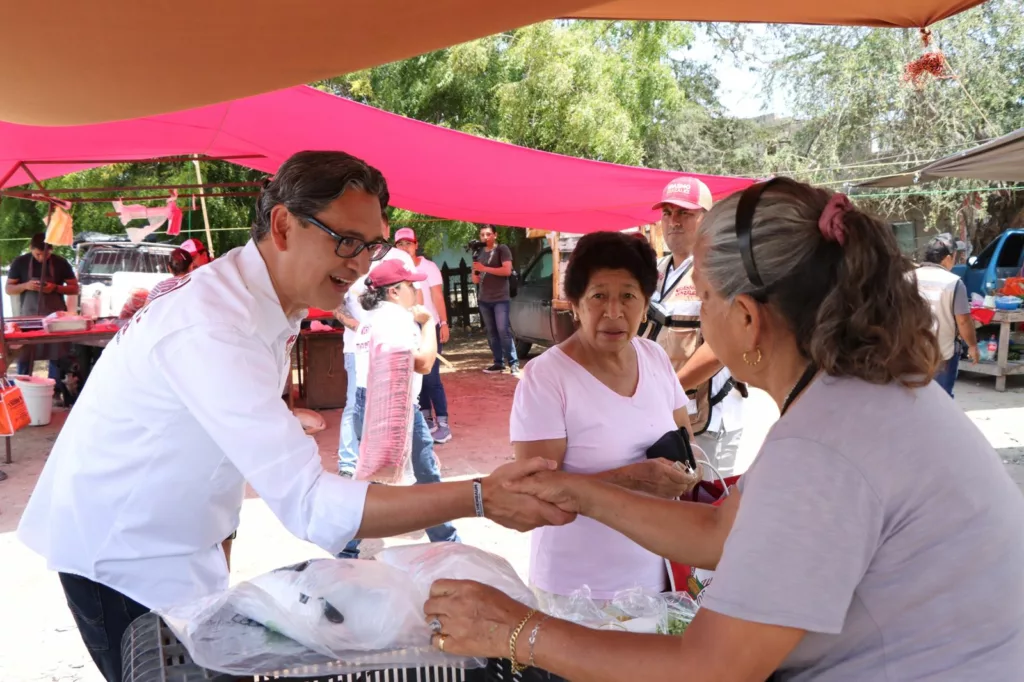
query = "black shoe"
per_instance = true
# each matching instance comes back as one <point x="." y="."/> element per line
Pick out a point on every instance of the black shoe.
<point x="495" y="369"/>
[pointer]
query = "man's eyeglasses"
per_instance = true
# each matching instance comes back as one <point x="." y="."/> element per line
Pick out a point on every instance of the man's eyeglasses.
<point x="350" y="247"/>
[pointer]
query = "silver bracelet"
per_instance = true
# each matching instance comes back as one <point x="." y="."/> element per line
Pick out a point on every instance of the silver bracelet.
<point x="478" y="497"/>
<point x="533" y="639"/>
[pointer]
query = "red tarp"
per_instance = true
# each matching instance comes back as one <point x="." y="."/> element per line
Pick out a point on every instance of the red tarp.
<point x="431" y="170"/>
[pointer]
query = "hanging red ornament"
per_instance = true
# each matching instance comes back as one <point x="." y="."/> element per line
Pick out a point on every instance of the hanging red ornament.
<point x="932" y="63"/>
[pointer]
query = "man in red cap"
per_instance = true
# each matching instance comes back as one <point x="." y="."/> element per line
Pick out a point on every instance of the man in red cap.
<point x="715" y="403"/>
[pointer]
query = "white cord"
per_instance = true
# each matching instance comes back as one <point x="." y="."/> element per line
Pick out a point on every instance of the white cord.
<point x="717" y="473"/>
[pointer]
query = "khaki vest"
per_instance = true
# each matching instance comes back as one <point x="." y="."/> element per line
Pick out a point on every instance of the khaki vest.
<point x="938" y="286"/>
<point x="680" y="334"/>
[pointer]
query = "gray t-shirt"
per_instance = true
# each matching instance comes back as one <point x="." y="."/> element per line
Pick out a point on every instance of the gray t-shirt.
<point x="880" y="520"/>
<point x="494" y="288"/>
<point x="961" y="306"/>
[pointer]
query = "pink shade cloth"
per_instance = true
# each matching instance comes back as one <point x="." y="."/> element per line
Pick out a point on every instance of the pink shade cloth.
<point x="831" y="221"/>
<point x="430" y="170"/>
<point x="558" y="398"/>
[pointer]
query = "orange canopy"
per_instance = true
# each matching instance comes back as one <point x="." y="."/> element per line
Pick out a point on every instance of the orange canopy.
<point x="70" y="62"/>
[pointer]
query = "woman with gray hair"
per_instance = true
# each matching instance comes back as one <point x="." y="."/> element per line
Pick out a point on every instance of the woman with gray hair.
<point x="876" y="536"/>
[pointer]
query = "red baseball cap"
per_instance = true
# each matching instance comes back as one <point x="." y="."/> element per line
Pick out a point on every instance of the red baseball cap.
<point x="391" y="272"/>
<point x="686" y="192"/>
<point x="193" y="246"/>
<point x="405" y="234"/>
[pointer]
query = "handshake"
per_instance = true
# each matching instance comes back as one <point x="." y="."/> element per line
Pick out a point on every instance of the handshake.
<point x="528" y="494"/>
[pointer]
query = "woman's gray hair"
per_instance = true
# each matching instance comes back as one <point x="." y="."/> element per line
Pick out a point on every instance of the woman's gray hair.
<point x="850" y="304"/>
<point x="309" y="181"/>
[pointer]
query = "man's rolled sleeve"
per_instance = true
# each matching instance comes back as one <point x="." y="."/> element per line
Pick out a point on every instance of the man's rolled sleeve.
<point x="228" y="381"/>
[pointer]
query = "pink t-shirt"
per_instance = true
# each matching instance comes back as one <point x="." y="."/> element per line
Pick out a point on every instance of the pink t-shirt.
<point x="558" y="398"/>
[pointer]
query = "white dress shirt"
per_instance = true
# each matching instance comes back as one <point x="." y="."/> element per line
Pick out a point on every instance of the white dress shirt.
<point x="184" y="406"/>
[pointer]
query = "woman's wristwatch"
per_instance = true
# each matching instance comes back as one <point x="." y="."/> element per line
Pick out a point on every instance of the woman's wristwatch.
<point x="443" y="323"/>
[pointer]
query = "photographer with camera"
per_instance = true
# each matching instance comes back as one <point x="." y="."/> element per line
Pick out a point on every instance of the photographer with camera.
<point x="492" y="270"/>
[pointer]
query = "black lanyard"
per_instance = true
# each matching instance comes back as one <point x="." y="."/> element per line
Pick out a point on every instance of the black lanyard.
<point x="668" y="271"/>
<point x="801" y="385"/>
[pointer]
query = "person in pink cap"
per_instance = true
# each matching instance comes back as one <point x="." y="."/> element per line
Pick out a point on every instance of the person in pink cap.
<point x="433" y="400"/>
<point x="394" y="319"/>
<point x="716" y="403"/>
<point x="198" y="251"/>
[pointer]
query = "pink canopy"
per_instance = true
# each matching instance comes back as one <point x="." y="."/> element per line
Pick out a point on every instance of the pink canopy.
<point x="430" y="170"/>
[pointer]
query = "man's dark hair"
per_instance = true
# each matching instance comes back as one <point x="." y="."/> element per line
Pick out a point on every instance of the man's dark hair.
<point x="938" y="250"/>
<point x="488" y="227"/>
<point x="39" y="242"/>
<point x="610" y="251"/>
<point x="308" y="181"/>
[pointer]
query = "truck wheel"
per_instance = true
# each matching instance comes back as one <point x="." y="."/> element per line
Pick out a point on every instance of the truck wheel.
<point x="523" y="349"/>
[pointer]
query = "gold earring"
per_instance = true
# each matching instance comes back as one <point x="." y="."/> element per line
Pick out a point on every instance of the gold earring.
<point x="644" y="321"/>
<point x="757" y="360"/>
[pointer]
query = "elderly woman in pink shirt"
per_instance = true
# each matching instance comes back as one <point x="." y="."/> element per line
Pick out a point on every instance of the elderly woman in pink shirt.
<point x="595" y="403"/>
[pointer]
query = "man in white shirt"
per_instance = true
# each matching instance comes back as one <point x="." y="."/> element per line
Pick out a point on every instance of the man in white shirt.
<point x="433" y="400"/>
<point x="684" y="203"/>
<point x="184" y="407"/>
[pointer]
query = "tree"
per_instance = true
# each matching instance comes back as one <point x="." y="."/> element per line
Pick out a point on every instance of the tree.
<point x="859" y="118"/>
<point x="594" y="90"/>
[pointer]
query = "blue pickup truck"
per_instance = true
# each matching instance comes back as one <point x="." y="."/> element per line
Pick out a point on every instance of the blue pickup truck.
<point x="1003" y="258"/>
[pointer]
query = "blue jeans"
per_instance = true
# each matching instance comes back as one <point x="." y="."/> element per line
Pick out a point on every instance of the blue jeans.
<point x="348" y="445"/>
<point x="433" y="395"/>
<point x="946" y="376"/>
<point x="499" y="332"/>
<point x="424" y="468"/>
<point x="25" y="369"/>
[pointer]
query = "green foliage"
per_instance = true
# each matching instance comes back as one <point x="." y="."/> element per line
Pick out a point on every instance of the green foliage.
<point x="20" y="219"/>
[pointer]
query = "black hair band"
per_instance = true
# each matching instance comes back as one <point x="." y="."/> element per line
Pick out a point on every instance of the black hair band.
<point x="745" y="224"/>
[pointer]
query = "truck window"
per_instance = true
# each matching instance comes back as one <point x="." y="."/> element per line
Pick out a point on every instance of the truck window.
<point x="985" y="257"/>
<point x="1009" y="255"/>
<point x="541" y="269"/>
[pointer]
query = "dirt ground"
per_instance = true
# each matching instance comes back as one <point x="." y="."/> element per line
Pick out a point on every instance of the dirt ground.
<point x="38" y="638"/>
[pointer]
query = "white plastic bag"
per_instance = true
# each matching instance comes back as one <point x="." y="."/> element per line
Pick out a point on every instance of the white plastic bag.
<point x="633" y="610"/>
<point x="429" y="562"/>
<point x="339" y="616"/>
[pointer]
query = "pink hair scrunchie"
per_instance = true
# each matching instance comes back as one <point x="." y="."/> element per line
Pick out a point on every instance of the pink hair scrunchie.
<point x="831" y="221"/>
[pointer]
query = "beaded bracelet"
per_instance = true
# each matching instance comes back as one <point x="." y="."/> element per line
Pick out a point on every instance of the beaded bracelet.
<point x="518" y="667"/>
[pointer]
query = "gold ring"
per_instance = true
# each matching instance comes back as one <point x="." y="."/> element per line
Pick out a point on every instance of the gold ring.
<point x="440" y="642"/>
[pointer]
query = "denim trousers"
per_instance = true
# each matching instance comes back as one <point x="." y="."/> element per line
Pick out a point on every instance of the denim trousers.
<point x="348" y="445"/>
<point x="103" y="615"/>
<point x="499" y="332"/>
<point x="424" y="468"/>
<point x="432" y="396"/>
<point x="946" y="376"/>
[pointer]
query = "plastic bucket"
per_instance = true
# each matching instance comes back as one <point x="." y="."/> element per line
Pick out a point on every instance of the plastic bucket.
<point x="38" y="395"/>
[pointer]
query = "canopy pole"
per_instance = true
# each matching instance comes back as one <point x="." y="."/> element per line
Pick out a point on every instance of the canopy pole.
<point x="206" y="217"/>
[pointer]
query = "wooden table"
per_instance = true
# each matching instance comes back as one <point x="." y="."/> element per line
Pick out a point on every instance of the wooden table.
<point x="1002" y="367"/>
<point x="97" y="337"/>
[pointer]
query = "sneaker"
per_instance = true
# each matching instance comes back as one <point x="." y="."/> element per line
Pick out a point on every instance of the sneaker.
<point x="495" y="369"/>
<point x="345" y="473"/>
<point x="431" y="424"/>
<point x="443" y="434"/>
<point x="514" y="371"/>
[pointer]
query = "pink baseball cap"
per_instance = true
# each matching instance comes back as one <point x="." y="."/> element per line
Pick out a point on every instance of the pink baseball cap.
<point x="405" y="234"/>
<point x="193" y="246"/>
<point x="391" y="272"/>
<point x="686" y="192"/>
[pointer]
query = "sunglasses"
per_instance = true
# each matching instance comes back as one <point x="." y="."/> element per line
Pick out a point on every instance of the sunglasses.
<point x="350" y="247"/>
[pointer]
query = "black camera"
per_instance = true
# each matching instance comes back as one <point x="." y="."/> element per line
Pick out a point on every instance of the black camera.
<point x="475" y="246"/>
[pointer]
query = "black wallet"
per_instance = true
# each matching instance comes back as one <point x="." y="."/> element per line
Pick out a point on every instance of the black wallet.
<point x="675" y="447"/>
